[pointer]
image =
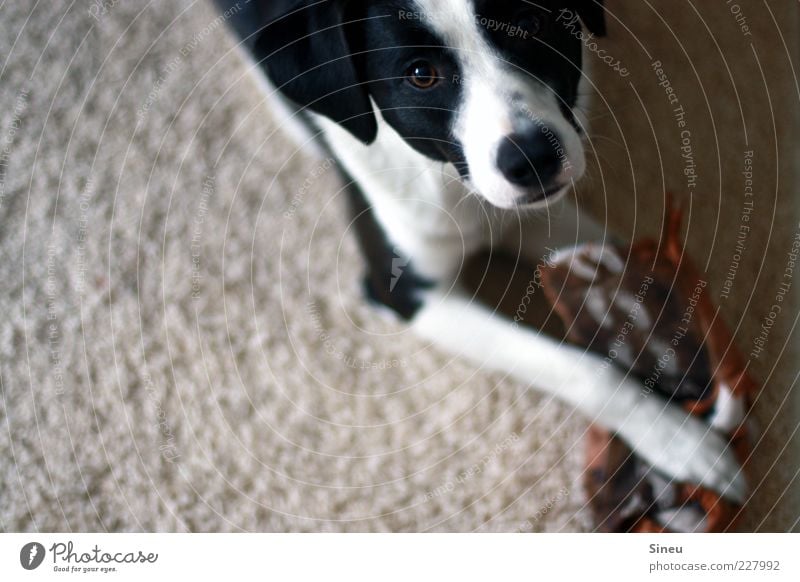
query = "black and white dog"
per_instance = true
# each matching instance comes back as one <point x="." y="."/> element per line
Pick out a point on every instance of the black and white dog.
<point x="452" y="117"/>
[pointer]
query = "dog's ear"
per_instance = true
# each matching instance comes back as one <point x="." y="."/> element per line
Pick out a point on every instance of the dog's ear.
<point x="305" y="53"/>
<point x="593" y="15"/>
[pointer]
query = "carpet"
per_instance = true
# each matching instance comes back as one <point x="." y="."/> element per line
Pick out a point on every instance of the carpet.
<point x="184" y="346"/>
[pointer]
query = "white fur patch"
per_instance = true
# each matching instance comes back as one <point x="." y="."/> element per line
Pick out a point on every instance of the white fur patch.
<point x="423" y="205"/>
<point x="597" y="306"/>
<point x="602" y="255"/>
<point x="577" y="266"/>
<point x="729" y="410"/>
<point x="625" y="301"/>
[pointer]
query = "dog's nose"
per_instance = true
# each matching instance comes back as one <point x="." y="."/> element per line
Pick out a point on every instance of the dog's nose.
<point x="530" y="159"/>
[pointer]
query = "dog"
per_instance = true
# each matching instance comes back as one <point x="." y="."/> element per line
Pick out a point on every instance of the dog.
<point x="456" y="121"/>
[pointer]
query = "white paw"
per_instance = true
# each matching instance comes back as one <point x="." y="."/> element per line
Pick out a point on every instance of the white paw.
<point x="687" y="449"/>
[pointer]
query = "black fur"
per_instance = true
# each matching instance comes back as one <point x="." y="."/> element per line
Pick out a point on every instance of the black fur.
<point x="387" y="46"/>
<point x="307" y="56"/>
<point x="551" y="56"/>
<point x="592" y="13"/>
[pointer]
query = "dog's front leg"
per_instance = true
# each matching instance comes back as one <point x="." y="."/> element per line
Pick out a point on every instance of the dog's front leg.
<point x="680" y="445"/>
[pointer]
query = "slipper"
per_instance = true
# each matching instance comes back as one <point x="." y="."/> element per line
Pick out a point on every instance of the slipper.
<point x="646" y="309"/>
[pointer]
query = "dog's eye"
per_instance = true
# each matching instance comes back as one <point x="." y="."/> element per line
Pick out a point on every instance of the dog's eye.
<point x="422" y="75"/>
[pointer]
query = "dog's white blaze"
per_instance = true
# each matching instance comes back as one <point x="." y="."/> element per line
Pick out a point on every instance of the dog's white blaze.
<point x="497" y="101"/>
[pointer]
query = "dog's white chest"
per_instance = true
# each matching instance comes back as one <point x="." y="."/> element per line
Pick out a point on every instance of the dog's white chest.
<point x="426" y="210"/>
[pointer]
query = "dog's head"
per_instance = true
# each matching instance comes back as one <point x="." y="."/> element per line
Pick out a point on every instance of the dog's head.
<point x="487" y="85"/>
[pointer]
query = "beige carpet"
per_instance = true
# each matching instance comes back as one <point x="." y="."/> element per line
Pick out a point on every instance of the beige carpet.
<point x="183" y="343"/>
